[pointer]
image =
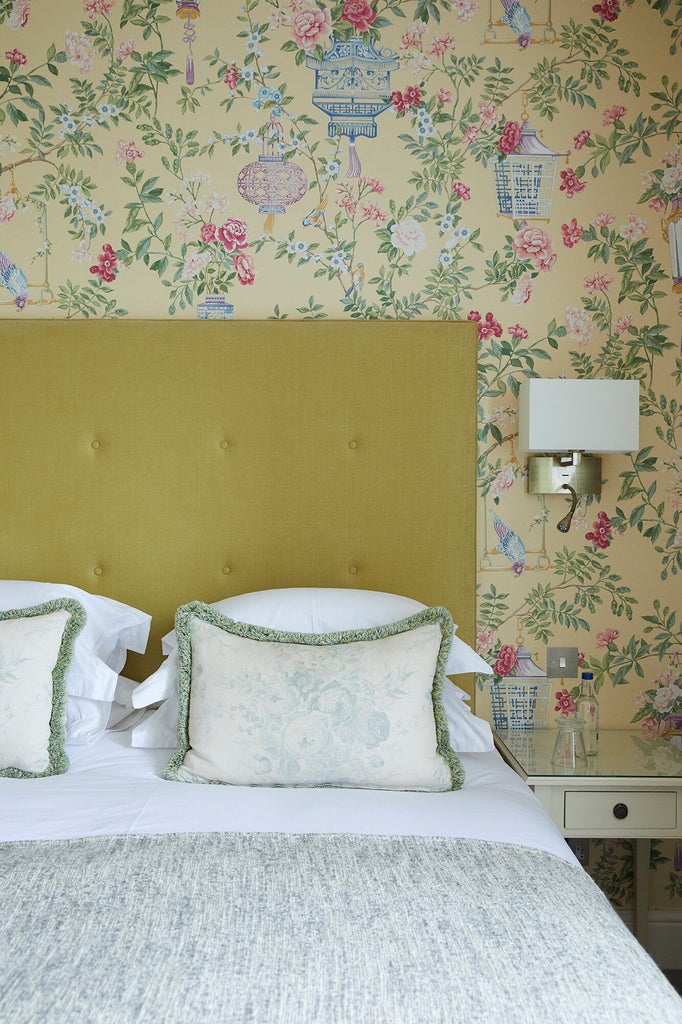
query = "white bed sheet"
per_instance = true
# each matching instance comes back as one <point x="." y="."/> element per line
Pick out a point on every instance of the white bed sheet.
<point x="112" y="788"/>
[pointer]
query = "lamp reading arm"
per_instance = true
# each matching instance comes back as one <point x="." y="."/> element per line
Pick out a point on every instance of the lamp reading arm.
<point x="564" y="524"/>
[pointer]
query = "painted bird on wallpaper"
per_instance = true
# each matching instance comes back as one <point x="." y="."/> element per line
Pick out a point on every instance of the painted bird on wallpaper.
<point x="510" y="544"/>
<point x="314" y="218"/>
<point x="14" y="280"/>
<point x="358" y="279"/>
<point x="518" y="19"/>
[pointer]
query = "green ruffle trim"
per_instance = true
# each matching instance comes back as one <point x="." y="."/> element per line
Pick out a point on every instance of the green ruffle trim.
<point x="58" y="762"/>
<point x="428" y="616"/>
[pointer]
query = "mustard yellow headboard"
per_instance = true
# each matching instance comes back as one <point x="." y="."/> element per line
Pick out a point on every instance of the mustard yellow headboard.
<point x="159" y="462"/>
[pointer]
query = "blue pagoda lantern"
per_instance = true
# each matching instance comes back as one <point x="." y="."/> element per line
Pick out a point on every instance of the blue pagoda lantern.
<point x="524" y="179"/>
<point x="352" y="87"/>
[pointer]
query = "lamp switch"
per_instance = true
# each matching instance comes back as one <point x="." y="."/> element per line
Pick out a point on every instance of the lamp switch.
<point x="562" y="662"/>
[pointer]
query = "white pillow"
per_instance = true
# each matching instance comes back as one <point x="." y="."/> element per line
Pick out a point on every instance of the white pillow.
<point x="111" y="630"/>
<point x="307" y="610"/>
<point x="360" y="708"/>
<point x="36" y="648"/>
<point x="468" y="733"/>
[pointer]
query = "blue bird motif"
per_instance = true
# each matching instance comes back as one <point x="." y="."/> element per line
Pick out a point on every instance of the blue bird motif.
<point x="510" y="544"/>
<point x="518" y="19"/>
<point x="358" y="279"/>
<point x="14" y="280"/>
<point x="314" y="218"/>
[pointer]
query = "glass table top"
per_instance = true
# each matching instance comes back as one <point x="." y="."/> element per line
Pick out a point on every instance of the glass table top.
<point x="621" y="753"/>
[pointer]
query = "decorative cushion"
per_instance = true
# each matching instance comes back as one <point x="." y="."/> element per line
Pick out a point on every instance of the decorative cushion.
<point x="36" y="649"/>
<point x="359" y="708"/>
<point x="110" y="631"/>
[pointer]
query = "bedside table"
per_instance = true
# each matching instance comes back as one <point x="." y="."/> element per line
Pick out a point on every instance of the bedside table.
<point x="631" y="789"/>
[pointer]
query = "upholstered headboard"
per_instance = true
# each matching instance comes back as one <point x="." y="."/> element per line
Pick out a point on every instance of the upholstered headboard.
<point x="162" y="461"/>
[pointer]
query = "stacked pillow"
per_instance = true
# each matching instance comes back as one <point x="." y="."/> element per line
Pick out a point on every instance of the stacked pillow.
<point x="314" y="611"/>
<point x="109" y="631"/>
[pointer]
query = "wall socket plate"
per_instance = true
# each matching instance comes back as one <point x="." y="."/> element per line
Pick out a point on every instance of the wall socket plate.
<point x="562" y="662"/>
<point x="581" y="849"/>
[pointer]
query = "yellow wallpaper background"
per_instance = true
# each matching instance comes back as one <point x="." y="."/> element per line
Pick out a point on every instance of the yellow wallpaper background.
<point x="127" y="128"/>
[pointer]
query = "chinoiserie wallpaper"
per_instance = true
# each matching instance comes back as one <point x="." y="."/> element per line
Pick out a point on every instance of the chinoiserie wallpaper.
<point x="518" y="164"/>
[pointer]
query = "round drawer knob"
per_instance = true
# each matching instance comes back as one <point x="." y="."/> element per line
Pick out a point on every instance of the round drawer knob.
<point x="620" y="811"/>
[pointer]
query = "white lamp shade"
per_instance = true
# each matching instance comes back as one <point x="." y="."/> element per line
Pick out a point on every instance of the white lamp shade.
<point x="598" y="416"/>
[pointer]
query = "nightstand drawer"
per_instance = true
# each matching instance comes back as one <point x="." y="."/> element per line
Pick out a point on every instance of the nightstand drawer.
<point x="634" y="809"/>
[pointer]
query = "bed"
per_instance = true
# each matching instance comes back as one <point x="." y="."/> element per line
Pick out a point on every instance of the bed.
<point x="157" y="464"/>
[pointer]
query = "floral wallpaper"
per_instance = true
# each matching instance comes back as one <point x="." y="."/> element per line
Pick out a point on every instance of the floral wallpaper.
<point x="518" y="164"/>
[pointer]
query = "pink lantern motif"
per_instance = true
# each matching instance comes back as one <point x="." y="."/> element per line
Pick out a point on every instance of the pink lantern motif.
<point x="189" y="10"/>
<point x="271" y="182"/>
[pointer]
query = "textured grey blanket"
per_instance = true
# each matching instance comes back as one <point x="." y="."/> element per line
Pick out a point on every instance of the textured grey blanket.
<point x="276" y="929"/>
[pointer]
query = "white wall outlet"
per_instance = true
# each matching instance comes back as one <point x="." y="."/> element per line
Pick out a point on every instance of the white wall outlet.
<point x="562" y="662"/>
<point x="581" y="849"/>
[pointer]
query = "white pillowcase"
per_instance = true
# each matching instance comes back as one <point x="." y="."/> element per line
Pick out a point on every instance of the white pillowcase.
<point x="303" y="610"/>
<point x="111" y="630"/>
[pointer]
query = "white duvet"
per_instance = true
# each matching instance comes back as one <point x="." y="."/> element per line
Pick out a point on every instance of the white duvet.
<point x="113" y="788"/>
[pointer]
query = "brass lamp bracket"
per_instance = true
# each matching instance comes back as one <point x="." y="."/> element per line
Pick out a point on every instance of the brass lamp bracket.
<point x="550" y="474"/>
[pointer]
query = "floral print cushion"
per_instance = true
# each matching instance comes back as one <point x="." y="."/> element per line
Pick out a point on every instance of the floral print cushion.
<point x="36" y="650"/>
<point x="360" y="708"/>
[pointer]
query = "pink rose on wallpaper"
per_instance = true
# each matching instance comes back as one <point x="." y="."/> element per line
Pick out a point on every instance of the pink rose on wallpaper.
<point x="519" y="332"/>
<point x="7" y="209"/>
<point x="608" y="10"/>
<point x="570" y="183"/>
<point x="232" y="234"/>
<point x="633" y="229"/>
<point x="19" y="15"/>
<point x="107" y="264"/>
<point x="613" y="114"/>
<point x="523" y="291"/>
<point x="564" y="702"/>
<point x="600" y="533"/>
<point x="442" y="45"/>
<point x="231" y="77"/>
<point x="623" y="323"/>
<point x="372" y="183"/>
<point x="464" y="9"/>
<point x="581" y="138"/>
<point x="311" y="27"/>
<point x="444" y="96"/>
<point x="606" y="637"/>
<point x="532" y="243"/>
<point x="245" y="267"/>
<point x="507" y="657"/>
<point x="374" y="213"/>
<point x="15" y="56"/>
<point x="470" y="134"/>
<point x="461" y="190"/>
<point x="489" y="114"/>
<point x="80" y="51"/>
<point x="208" y="233"/>
<point x="571" y="233"/>
<point x="510" y="137"/>
<point x="127" y="152"/>
<point x="359" y="14"/>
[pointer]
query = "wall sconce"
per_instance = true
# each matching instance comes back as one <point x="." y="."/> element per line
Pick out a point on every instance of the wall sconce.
<point x="568" y="420"/>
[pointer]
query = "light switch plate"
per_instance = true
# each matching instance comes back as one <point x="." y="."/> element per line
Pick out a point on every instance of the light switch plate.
<point x="562" y="662"/>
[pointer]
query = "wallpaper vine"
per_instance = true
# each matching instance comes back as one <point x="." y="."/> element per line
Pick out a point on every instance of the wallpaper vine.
<point x="298" y="158"/>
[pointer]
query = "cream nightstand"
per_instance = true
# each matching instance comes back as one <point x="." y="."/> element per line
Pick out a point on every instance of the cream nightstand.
<point x="632" y="789"/>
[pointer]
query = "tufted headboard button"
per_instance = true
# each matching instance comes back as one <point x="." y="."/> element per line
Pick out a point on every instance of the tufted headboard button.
<point x="224" y="444"/>
<point x="353" y="445"/>
<point x="98" y="570"/>
<point x="352" y="569"/>
<point x="95" y="444"/>
<point x="226" y="570"/>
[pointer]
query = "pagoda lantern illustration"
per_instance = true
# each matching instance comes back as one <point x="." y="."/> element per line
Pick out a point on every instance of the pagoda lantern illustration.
<point x="524" y="179"/>
<point x="271" y="182"/>
<point x="352" y="87"/>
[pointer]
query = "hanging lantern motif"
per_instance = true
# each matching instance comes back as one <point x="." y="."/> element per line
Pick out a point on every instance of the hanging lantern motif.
<point x="520" y="700"/>
<point x="671" y="226"/>
<point x="353" y="86"/>
<point x="524" y="179"/>
<point x="271" y="182"/>
<point x="189" y="10"/>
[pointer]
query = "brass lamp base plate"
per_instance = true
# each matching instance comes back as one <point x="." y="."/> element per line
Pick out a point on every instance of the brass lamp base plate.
<point x="547" y="474"/>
